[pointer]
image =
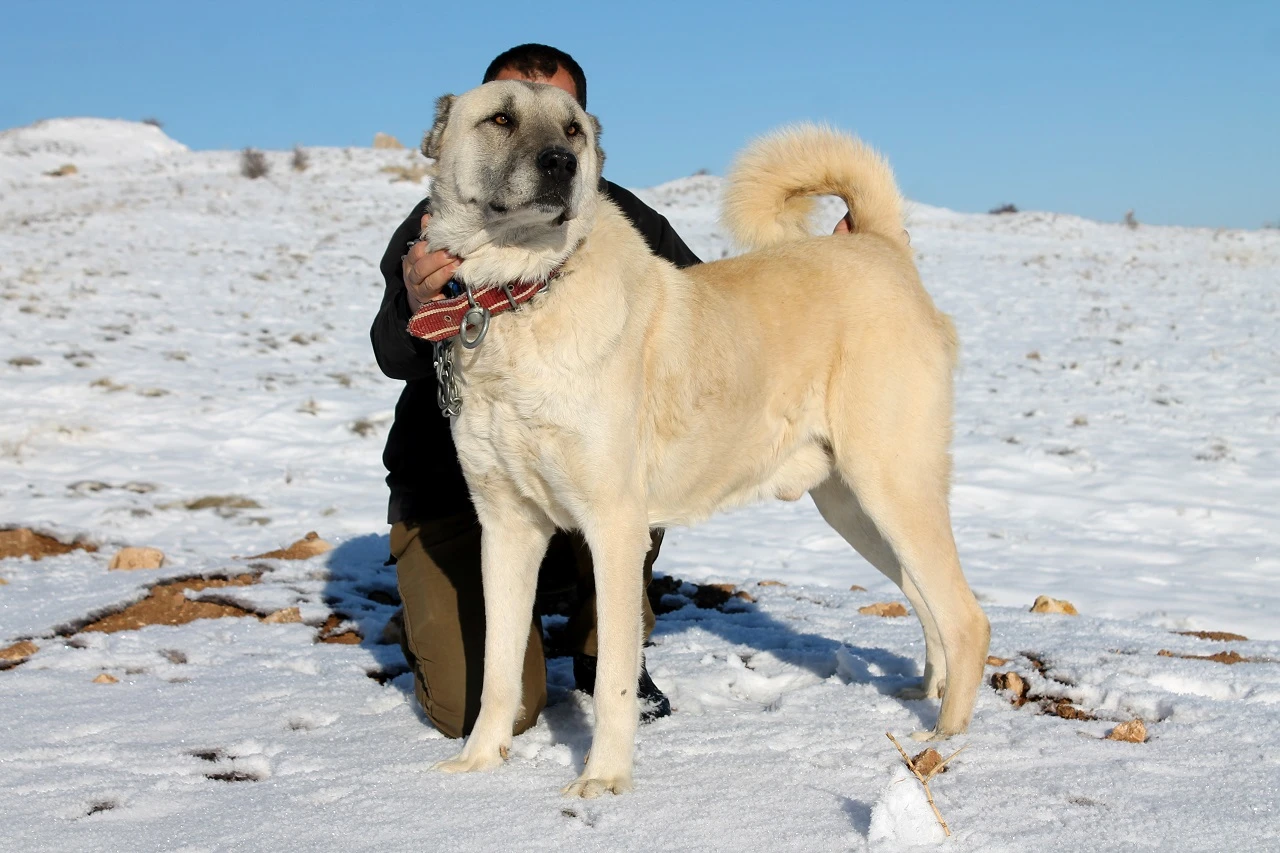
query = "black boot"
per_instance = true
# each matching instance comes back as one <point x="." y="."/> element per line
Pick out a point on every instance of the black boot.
<point x="654" y="704"/>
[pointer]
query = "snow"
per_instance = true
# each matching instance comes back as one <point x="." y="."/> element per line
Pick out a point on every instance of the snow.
<point x="173" y="331"/>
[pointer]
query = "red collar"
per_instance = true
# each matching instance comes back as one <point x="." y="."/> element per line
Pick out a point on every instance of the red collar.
<point x="443" y="319"/>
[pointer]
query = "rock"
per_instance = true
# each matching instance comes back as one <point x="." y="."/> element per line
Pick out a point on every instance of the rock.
<point x="283" y="617"/>
<point x="884" y="608"/>
<point x="305" y="548"/>
<point x="856" y="588"/>
<point x="770" y="583"/>
<point x="106" y="678"/>
<point x="1045" y="604"/>
<point x="25" y="542"/>
<point x="63" y="170"/>
<point x="18" y="651"/>
<point x="3" y="582"/>
<point x="924" y="762"/>
<point x="1012" y="682"/>
<point x="992" y="660"/>
<point x="131" y="559"/>
<point x="1134" y="731"/>
<point x="385" y="140"/>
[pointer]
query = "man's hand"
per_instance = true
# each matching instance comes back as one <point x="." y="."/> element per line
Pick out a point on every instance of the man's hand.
<point x="426" y="273"/>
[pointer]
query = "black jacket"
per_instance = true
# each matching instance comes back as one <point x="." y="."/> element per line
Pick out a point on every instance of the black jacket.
<point x="423" y="473"/>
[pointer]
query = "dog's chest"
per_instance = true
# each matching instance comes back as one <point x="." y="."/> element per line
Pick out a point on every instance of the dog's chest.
<point x="523" y="425"/>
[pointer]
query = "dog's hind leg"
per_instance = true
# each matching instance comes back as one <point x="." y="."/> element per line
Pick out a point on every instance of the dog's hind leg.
<point x="513" y="539"/>
<point x="889" y="432"/>
<point x="906" y="500"/>
<point x="840" y="508"/>
<point x="618" y="543"/>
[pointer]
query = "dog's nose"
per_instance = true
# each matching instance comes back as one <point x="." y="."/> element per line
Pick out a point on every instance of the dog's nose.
<point x="558" y="163"/>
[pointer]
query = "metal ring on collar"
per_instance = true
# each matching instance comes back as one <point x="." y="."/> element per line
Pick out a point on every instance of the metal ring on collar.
<point x="475" y="324"/>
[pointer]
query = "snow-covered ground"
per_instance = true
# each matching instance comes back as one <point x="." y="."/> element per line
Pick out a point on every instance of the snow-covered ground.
<point x="171" y="331"/>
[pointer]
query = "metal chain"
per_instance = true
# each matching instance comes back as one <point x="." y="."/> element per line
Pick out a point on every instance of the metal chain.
<point x="448" y="395"/>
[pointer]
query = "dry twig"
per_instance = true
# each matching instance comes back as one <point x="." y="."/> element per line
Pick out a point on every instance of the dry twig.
<point x="925" y="777"/>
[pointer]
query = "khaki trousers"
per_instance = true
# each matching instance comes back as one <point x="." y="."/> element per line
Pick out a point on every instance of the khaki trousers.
<point x="438" y="571"/>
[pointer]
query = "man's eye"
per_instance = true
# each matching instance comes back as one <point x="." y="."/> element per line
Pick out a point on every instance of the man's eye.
<point x="572" y="130"/>
<point x="502" y="119"/>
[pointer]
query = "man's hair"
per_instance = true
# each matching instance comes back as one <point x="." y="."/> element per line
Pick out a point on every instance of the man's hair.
<point x="539" y="60"/>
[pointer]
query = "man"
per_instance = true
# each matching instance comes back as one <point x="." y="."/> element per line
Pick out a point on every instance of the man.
<point x="435" y="536"/>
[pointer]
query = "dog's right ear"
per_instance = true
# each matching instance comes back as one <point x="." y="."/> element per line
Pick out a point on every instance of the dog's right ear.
<point x="431" y="140"/>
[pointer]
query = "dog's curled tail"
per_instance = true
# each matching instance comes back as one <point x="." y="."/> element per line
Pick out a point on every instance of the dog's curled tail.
<point x="770" y="191"/>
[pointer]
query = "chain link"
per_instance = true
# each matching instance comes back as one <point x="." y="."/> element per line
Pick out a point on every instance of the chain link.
<point x="448" y="395"/>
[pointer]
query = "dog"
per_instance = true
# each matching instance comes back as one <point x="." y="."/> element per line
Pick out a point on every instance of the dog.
<point x="629" y="393"/>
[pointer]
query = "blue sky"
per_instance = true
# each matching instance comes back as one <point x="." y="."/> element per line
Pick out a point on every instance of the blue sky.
<point x="1172" y="109"/>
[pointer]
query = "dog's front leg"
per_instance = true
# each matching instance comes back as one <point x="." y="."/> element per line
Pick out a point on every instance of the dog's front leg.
<point x="618" y="544"/>
<point x="513" y="540"/>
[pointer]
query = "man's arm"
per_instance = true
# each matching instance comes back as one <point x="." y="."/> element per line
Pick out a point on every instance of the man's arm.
<point x="413" y="277"/>
<point x="653" y="226"/>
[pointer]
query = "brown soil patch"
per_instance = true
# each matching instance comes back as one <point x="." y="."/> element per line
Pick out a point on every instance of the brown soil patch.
<point x="992" y="660"/>
<point x="660" y="586"/>
<point x="167" y="604"/>
<point x="25" y="542"/>
<point x="1063" y="708"/>
<point x="329" y="632"/>
<point x="305" y="548"/>
<point x="106" y="678"/>
<point x="856" y="588"/>
<point x="770" y="583"/>
<point x="884" y="608"/>
<point x="1216" y="636"/>
<point x="715" y="595"/>
<point x="1228" y="657"/>
<point x="17" y="654"/>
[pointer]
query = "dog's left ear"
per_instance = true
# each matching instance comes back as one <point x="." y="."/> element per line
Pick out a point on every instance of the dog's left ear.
<point x="595" y="126"/>
<point x="431" y="140"/>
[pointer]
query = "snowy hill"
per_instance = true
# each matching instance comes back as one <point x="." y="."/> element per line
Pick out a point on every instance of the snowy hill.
<point x="85" y="142"/>
<point x="185" y="365"/>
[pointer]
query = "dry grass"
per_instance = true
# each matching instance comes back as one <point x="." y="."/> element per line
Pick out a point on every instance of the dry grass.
<point x="930" y="764"/>
<point x="253" y="163"/>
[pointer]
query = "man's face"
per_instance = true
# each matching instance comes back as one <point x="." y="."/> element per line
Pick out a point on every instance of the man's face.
<point x="561" y="79"/>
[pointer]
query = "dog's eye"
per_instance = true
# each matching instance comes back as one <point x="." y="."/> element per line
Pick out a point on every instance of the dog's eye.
<point x="572" y="130"/>
<point x="501" y="119"/>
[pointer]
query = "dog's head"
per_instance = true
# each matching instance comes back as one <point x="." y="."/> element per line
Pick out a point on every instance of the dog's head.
<point x="515" y="162"/>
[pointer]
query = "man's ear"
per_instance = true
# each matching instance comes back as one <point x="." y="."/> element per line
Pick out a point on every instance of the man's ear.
<point x="431" y="140"/>
<point x="595" y="125"/>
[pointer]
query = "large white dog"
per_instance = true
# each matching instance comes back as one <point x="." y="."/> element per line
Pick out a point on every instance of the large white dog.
<point x="630" y="394"/>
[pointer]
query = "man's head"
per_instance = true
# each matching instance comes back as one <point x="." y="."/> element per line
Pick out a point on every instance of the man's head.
<point x="539" y="63"/>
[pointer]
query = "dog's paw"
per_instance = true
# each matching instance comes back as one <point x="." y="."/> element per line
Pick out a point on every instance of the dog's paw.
<point x="931" y="735"/>
<point x="589" y="788"/>
<point x="471" y="761"/>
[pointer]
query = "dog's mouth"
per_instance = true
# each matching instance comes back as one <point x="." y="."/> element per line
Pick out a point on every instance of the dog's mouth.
<point x="545" y="206"/>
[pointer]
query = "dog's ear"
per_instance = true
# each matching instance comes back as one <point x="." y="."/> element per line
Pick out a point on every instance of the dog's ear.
<point x="431" y="140"/>
<point x="595" y="126"/>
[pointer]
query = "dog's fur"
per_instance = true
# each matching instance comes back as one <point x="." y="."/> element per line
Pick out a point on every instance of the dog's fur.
<point x="633" y="394"/>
